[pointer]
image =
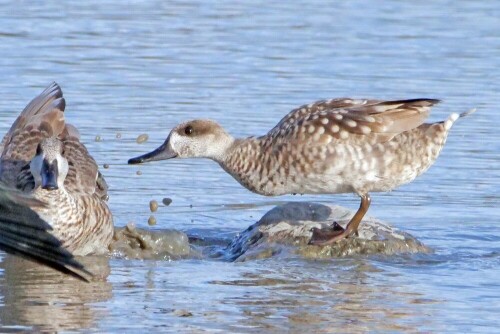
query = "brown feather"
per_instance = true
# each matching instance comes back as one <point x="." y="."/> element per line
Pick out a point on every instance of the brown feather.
<point x="23" y="233"/>
<point x="44" y="118"/>
<point x="359" y="120"/>
<point x="86" y="227"/>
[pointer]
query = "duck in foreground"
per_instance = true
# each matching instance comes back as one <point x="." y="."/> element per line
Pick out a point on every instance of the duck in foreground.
<point x="42" y="156"/>
<point x="24" y="233"/>
<point x="328" y="147"/>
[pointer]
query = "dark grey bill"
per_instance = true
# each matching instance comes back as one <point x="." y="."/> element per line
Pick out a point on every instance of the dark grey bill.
<point x="163" y="152"/>
<point x="49" y="175"/>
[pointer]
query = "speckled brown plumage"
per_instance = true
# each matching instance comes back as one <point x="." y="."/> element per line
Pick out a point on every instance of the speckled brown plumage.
<point x="77" y="211"/>
<point x="321" y="148"/>
<point x="23" y="233"/>
<point x="334" y="146"/>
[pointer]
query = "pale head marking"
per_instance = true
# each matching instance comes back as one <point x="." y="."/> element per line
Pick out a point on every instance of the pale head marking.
<point x="193" y="139"/>
<point x="49" y="151"/>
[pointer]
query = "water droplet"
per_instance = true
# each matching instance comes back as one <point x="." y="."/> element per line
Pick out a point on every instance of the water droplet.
<point x="142" y="138"/>
<point x="153" y="206"/>
<point x="152" y="221"/>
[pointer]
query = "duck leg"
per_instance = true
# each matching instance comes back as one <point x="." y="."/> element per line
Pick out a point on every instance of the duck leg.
<point x="322" y="237"/>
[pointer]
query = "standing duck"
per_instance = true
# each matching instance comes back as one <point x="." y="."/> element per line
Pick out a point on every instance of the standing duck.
<point x="327" y="147"/>
<point x="42" y="156"/>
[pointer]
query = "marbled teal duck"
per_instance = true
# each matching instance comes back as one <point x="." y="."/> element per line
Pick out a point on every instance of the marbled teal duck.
<point x="43" y="156"/>
<point x="24" y="233"/>
<point x="328" y="147"/>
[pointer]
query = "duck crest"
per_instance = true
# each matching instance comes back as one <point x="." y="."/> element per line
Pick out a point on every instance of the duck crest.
<point x="43" y="155"/>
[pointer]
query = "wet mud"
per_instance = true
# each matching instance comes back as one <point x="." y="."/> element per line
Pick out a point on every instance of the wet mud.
<point x="283" y="231"/>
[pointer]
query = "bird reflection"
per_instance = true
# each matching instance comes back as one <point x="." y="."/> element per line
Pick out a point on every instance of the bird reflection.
<point x="47" y="300"/>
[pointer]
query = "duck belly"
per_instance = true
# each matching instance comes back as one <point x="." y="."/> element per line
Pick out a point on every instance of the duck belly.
<point x="83" y="229"/>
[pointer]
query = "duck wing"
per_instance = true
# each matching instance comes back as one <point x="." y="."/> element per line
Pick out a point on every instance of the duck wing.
<point x="83" y="174"/>
<point x="43" y="117"/>
<point x="353" y="120"/>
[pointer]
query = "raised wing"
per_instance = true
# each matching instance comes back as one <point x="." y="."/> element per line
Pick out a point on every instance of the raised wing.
<point x="50" y="99"/>
<point x="83" y="175"/>
<point x="42" y="118"/>
<point x="348" y="119"/>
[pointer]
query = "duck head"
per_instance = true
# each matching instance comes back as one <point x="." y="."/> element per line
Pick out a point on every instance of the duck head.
<point x="193" y="139"/>
<point x="49" y="167"/>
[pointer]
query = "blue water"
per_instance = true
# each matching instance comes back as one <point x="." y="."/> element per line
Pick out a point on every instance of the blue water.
<point x="136" y="67"/>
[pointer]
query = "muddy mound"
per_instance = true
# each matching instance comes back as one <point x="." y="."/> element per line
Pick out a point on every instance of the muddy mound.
<point x="287" y="229"/>
<point x="135" y="243"/>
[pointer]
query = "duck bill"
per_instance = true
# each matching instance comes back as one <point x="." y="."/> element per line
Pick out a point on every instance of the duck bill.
<point x="163" y="152"/>
<point x="49" y="175"/>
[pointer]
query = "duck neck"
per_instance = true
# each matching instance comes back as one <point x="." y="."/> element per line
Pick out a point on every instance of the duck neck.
<point x="223" y="149"/>
<point x="55" y="200"/>
<point x="52" y="197"/>
<point x="243" y="160"/>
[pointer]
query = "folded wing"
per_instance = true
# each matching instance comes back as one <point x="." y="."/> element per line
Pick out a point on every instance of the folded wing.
<point x="349" y="119"/>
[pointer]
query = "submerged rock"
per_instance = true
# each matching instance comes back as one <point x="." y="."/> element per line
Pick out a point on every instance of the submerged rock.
<point x="135" y="243"/>
<point x="287" y="228"/>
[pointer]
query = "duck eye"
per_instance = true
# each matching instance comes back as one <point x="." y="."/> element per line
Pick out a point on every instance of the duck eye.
<point x="188" y="130"/>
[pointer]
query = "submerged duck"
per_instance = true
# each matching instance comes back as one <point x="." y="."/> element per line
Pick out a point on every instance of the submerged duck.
<point x="327" y="147"/>
<point x="24" y="233"/>
<point x="43" y="156"/>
